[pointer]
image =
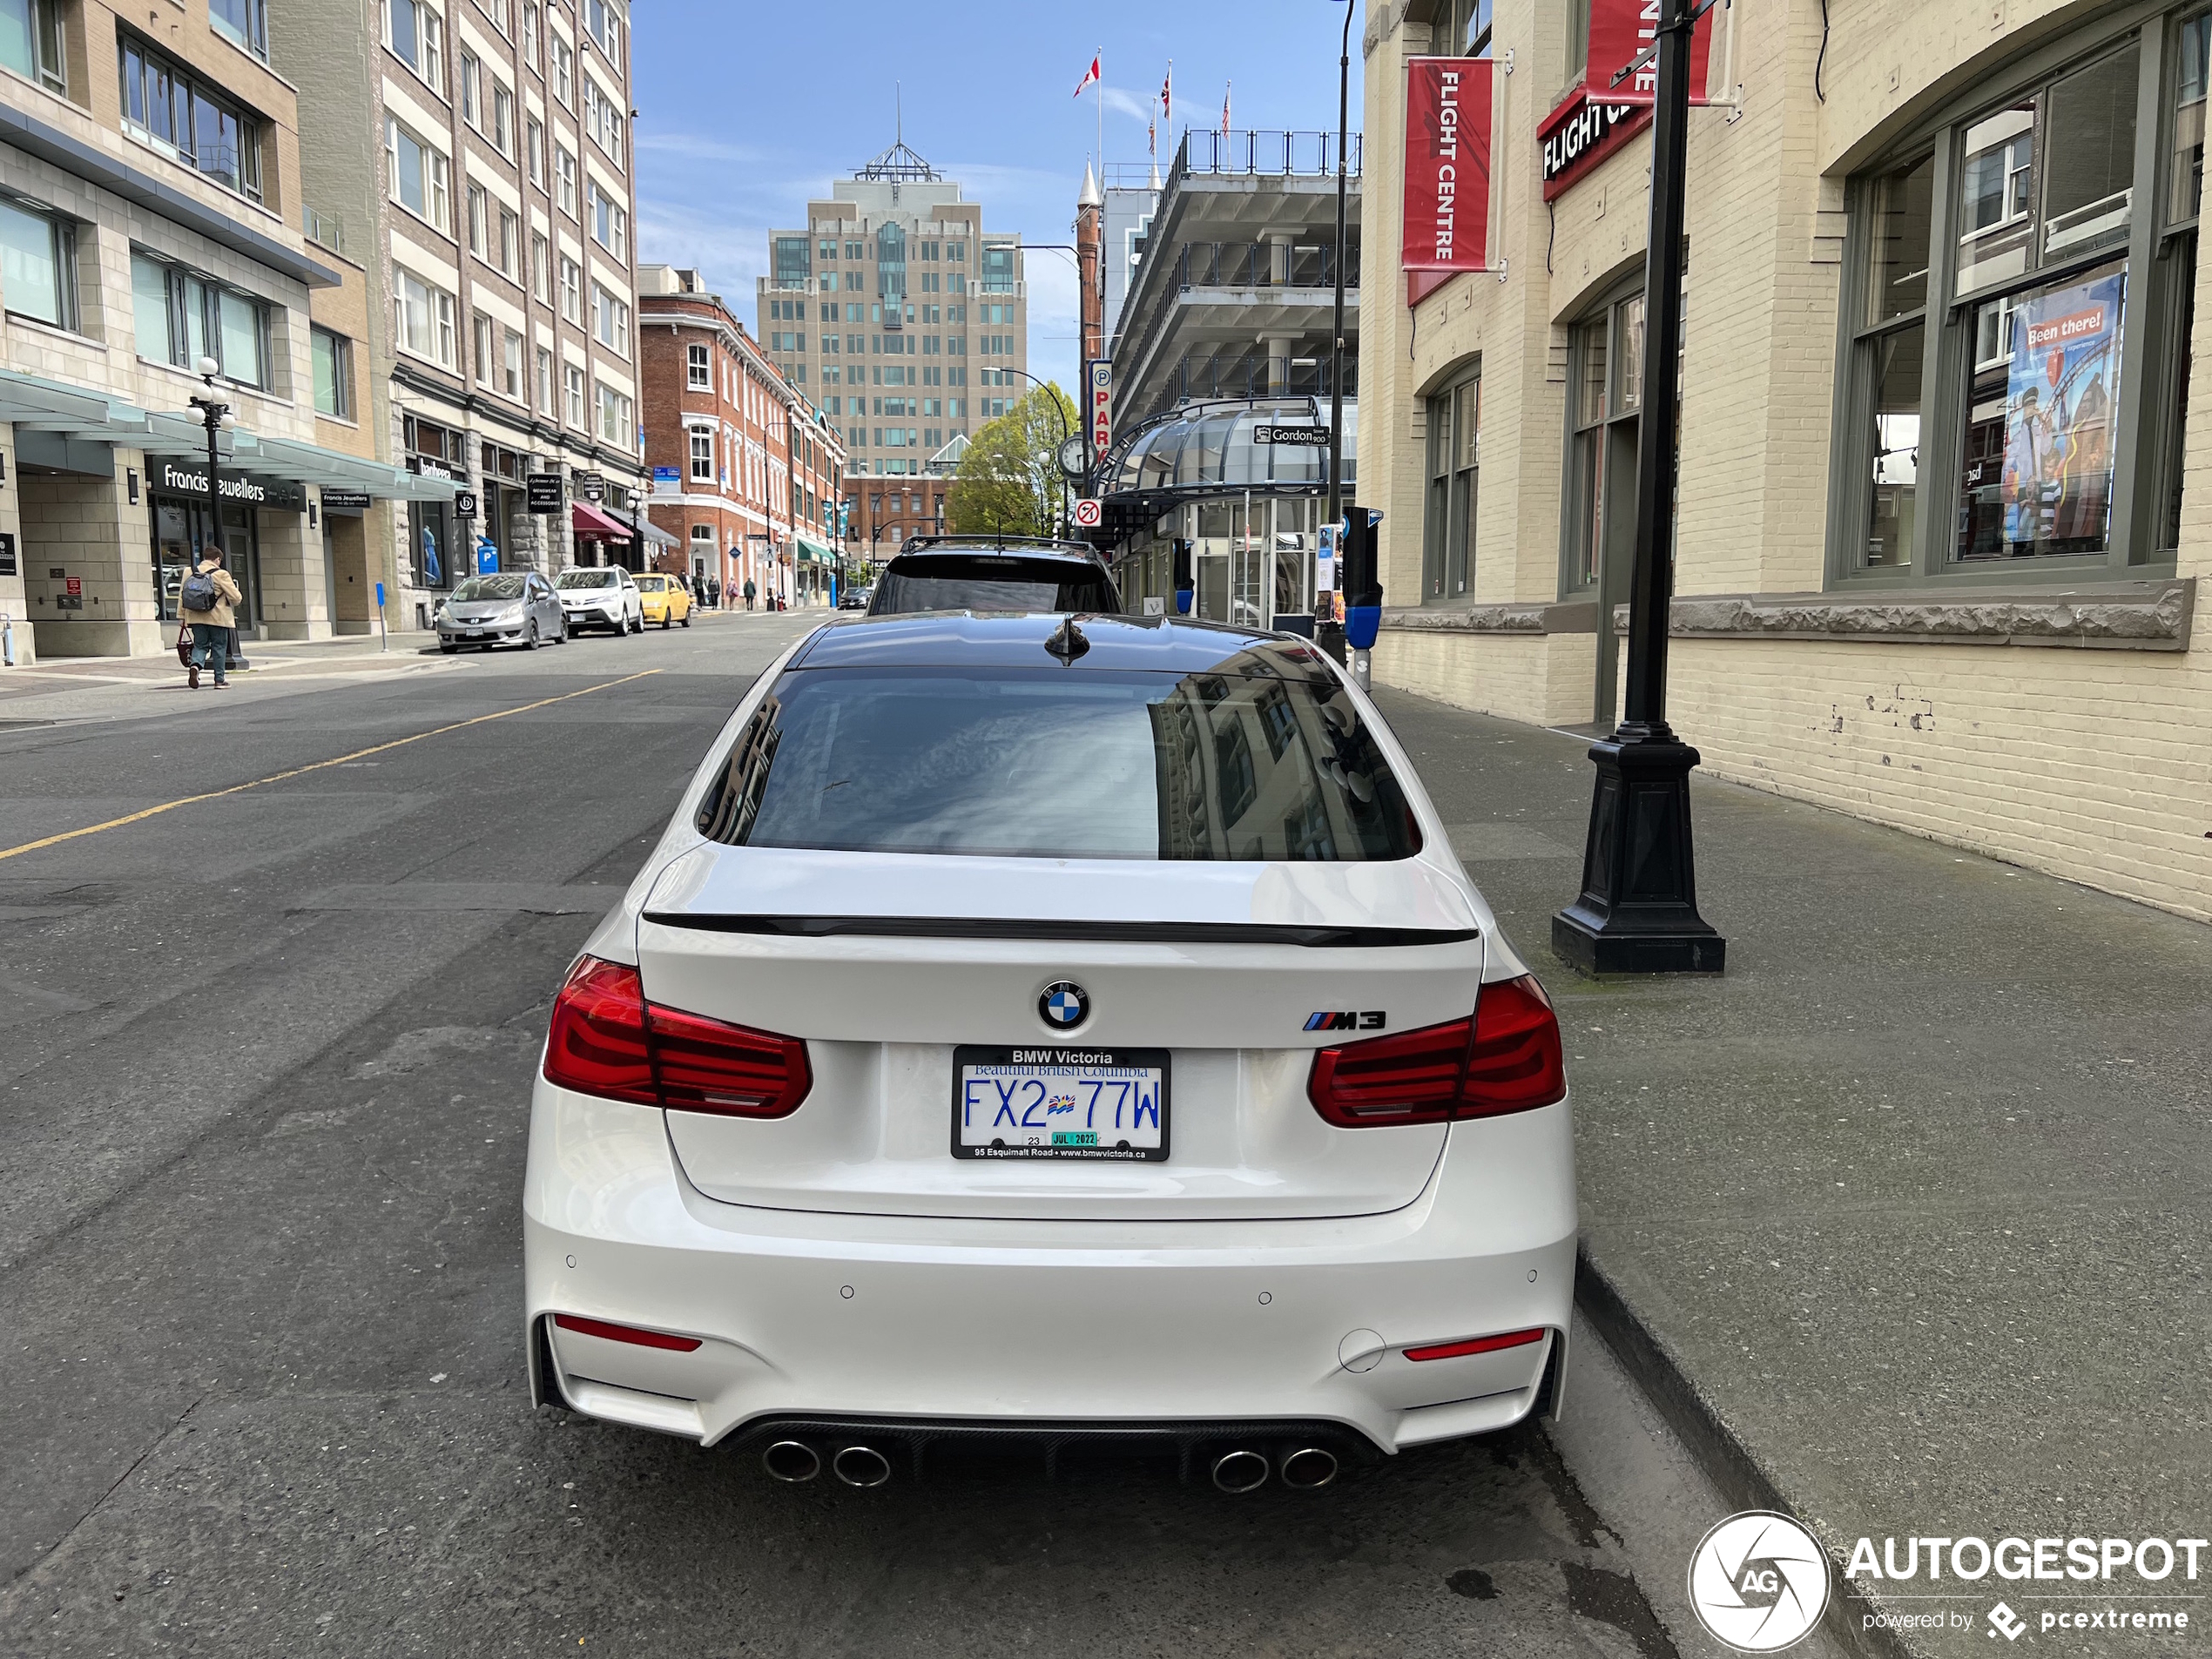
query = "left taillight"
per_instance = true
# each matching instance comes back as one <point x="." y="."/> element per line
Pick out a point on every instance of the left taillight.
<point x="607" y="1039"/>
<point x="1506" y="1059"/>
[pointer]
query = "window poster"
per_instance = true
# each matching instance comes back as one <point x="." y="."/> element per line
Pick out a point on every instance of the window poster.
<point x="2061" y="403"/>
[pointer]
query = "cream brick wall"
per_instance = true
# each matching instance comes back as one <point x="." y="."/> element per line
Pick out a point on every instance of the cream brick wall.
<point x="2081" y="762"/>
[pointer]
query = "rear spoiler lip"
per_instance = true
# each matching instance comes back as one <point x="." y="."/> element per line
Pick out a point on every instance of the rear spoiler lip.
<point x="1312" y="936"/>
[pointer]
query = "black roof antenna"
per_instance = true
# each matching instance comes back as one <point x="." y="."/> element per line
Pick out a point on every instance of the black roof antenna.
<point x="1067" y="642"/>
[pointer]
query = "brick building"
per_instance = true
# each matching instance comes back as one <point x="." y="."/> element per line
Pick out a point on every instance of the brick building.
<point x="1946" y="484"/>
<point x="746" y="472"/>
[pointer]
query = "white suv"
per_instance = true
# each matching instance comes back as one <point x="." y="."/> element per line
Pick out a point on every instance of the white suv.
<point x="601" y="597"/>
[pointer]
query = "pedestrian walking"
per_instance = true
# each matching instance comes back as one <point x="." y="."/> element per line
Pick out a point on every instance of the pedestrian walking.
<point x="209" y="599"/>
<point x="749" y="593"/>
<point x="714" y="593"/>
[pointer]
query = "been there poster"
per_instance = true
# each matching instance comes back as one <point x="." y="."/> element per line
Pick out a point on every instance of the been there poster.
<point x="2061" y="401"/>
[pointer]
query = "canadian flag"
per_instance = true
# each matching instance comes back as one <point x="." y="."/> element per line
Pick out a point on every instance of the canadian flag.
<point x="1089" y="75"/>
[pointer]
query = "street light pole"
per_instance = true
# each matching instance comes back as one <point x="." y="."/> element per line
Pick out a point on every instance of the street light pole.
<point x="1336" y="331"/>
<point x="1066" y="433"/>
<point x="1637" y="912"/>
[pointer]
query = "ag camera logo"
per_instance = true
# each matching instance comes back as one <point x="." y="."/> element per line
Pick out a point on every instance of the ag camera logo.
<point x="1758" y="1581"/>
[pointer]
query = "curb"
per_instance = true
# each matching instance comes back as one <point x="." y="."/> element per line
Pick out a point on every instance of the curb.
<point x="1718" y="1450"/>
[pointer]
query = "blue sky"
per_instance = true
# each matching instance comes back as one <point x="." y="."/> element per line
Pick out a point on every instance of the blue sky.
<point x="748" y="109"/>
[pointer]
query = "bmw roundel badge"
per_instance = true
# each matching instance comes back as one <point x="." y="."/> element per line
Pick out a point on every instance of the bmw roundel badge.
<point x="1064" y="1005"/>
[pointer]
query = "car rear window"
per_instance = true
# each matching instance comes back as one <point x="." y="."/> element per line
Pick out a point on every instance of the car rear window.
<point x="490" y="587"/>
<point x="1060" y="763"/>
<point x="989" y="582"/>
<point x="584" y="579"/>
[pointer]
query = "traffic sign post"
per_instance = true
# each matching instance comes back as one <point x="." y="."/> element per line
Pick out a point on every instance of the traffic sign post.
<point x="1089" y="514"/>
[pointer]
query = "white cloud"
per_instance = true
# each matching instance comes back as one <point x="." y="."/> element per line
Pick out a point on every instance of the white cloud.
<point x="1137" y="109"/>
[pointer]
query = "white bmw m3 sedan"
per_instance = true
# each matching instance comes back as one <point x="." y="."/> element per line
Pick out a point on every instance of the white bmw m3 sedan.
<point x="1069" y="1029"/>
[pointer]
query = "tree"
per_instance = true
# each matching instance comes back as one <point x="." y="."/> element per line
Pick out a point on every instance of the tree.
<point x="1008" y="482"/>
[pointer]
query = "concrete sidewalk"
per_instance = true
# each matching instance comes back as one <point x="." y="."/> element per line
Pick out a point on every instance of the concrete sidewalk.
<point x="1908" y="1213"/>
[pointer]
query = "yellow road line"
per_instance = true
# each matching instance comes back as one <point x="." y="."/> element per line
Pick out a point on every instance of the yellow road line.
<point x="296" y="771"/>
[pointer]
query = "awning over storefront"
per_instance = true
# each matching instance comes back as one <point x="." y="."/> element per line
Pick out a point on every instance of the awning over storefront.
<point x="85" y="415"/>
<point x="587" y="520"/>
<point x="815" y="552"/>
<point x="644" y="526"/>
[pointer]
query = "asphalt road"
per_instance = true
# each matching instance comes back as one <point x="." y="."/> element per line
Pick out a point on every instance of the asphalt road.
<point x="265" y="1066"/>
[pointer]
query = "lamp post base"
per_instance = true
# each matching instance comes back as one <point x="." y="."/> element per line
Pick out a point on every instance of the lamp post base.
<point x="1637" y="913"/>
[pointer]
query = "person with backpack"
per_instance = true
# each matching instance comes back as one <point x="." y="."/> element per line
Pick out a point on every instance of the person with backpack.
<point x="749" y="593"/>
<point x="209" y="599"/>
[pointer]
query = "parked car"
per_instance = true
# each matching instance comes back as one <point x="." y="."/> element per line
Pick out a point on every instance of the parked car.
<point x="855" y="599"/>
<point x="1061" y="1029"/>
<point x="972" y="573"/>
<point x="601" y="596"/>
<point x="664" y="599"/>
<point x="513" y="607"/>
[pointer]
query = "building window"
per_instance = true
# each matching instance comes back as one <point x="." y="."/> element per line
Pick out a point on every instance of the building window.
<point x="1997" y="284"/>
<point x="610" y="223"/>
<point x="245" y="22"/>
<point x="602" y="119"/>
<point x="479" y="211"/>
<point x="1578" y="40"/>
<point x="609" y="321"/>
<point x="572" y="381"/>
<point x="541" y="268"/>
<point x="472" y="91"/>
<point x="1605" y="396"/>
<point x="565" y="179"/>
<point x="502" y="120"/>
<point x="563" y="72"/>
<point x="31" y="42"/>
<point x="545" y="381"/>
<point x="791" y="263"/>
<point x="38" y="266"/>
<point x="510" y="365"/>
<point x="420" y="175"/>
<point x="571" y="290"/>
<point x="416" y="34"/>
<point x="164" y="107"/>
<point x="333" y="357"/>
<point x="1466" y="31"/>
<point x="614" y="416"/>
<point x="481" y="344"/>
<point x="423" y="316"/>
<point x="181" y="316"/>
<point x="533" y="147"/>
<point x="703" y="457"/>
<point x="510" y="243"/>
<point x="530" y="33"/>
<point x="699" y="371"/>
<point x="603" y="22"/>
<point x="1454" y="440"/>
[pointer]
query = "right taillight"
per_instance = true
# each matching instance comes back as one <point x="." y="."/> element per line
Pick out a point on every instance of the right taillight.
<point x="607" y="1039"/>
<point x="1507" y="1059"/>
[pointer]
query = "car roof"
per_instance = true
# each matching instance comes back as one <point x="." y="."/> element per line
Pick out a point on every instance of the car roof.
<point x="1004" y="639"/>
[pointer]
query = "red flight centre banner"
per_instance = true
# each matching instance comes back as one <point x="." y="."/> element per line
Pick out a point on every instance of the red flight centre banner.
<point x="1623" y="30"/>
<point x="1448" y="164"/>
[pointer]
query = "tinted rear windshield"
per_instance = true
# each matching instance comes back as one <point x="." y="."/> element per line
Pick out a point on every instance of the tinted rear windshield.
<point x="1060" y="763"/>
<point x="985" y="583"/>
<point x="584" y="579"/>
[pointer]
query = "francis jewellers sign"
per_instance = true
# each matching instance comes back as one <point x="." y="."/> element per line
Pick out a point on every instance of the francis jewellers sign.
<point x="190" y="478"/>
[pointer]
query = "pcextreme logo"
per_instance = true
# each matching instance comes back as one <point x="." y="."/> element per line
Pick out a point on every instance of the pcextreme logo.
<point x="1758" y="1581"/>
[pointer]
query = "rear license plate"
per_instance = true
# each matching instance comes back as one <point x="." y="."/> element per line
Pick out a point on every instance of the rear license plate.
<point x="1046" y="1102"/>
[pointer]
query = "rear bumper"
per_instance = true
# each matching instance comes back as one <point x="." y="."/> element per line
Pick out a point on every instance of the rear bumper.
<point x="1040" y="1325"/>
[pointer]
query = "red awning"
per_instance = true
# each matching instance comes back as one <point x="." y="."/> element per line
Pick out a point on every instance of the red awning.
<point x="589" y="521"/>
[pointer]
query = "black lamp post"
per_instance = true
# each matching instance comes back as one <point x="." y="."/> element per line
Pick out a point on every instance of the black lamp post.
<point x="215" y="416"/>
<point x="1637" y="913"/>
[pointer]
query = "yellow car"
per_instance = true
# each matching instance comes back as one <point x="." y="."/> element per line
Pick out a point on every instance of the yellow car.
<point x="666" y="599"/>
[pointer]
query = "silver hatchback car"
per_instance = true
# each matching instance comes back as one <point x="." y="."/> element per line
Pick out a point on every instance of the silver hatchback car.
<point x="513" y="608"/>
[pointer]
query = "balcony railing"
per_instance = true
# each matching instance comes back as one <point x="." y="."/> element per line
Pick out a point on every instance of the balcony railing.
<point x="1260" y="151"/>
<point x="1261" y="265"/>
<point x="327" y="229"/>
<point x="1238" y="375"/>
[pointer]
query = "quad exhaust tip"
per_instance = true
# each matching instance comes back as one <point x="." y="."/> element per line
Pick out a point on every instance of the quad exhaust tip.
<point x="1243" y="1470"/>
<point x="861" y="1465"/>
<point x="791" y="1460"/>
<point x="1309" y="1468"/>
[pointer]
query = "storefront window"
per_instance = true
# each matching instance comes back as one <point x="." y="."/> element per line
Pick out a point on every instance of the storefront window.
<point x="183" y="531"/>
<point x="1987" y="432"/>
